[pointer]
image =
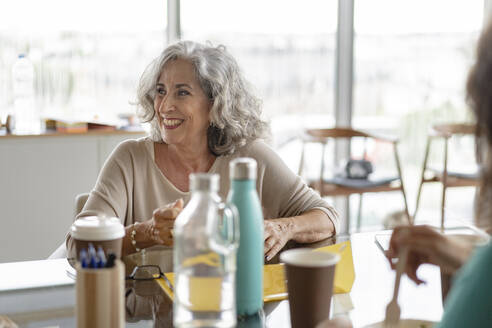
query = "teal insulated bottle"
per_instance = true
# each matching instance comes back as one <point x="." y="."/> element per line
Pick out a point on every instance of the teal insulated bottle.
<point x="249" y="274"/>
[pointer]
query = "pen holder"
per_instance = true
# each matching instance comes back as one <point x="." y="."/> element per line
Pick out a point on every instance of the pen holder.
<point x="100" y="296"/>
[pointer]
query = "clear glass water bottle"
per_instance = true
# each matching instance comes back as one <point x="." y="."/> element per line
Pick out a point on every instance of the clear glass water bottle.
<point x="27" y="117"/>
<point x="206" y="237"/>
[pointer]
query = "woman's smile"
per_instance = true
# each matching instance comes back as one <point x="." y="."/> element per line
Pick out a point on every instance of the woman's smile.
<point x="171" y="123"/>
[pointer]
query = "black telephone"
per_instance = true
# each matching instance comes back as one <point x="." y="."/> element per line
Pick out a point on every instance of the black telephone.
<point x="358" y="169"/>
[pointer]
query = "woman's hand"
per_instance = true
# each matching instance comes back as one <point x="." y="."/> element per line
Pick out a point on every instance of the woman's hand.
<point x="308" y="227"/>
<point x="162" y="223"/>
<point x="156" y="231"/>
<point x="159" y="229"/>
<point x="426" y="245"/>
<point x="277" y="232"/>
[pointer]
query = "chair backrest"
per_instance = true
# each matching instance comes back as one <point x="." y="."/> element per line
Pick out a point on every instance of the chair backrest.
<point x="80" y="201"/>
<point x="329" y="187"/>
<point x="335" y="133"/>
<point x="345" y="133"/>
<point x="448" y="130"/>
<point x="323" y="136"/>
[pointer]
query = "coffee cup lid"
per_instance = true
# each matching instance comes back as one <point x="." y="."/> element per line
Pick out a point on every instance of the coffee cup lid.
<point x="306" y="257"/>
<point x="97" y="228"/>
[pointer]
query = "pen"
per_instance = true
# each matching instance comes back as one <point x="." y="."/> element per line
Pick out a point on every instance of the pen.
<point x="92" y="256"/>
<point x="83" y="258"/>
<point x="101" y="257"/>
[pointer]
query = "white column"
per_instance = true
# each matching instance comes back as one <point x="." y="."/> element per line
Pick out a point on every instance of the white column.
<point x="487" y="11"/>
<point x="344" y="62"/>
<point x="173" y="21"/>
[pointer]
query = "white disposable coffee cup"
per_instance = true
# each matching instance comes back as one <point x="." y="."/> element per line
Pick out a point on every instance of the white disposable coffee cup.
<point x="106" y="232"/>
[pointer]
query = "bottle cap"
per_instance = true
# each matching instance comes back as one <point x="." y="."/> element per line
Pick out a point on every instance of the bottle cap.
<point x="204" y="182"/>
<point x="243" y="168"/>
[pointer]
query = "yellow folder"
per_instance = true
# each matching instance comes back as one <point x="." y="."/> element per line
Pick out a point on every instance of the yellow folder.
<point x="205" y="297"/>
<point x="344" y="273"/>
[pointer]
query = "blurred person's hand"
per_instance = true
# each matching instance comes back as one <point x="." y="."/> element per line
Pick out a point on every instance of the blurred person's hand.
<point x="426" y="245"/>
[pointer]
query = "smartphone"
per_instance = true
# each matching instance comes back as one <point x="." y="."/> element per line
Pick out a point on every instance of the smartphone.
<point x="382" y="240"/>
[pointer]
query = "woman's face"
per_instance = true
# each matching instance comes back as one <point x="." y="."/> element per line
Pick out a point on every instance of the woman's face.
<point x="181" y="105"/>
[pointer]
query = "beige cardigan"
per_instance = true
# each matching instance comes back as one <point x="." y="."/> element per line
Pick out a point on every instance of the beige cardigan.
<point x="131" y="186"/>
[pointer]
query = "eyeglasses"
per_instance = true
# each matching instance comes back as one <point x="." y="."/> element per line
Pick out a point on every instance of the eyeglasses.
<point x="149" y="272"/>
<point x="146" y="272"/>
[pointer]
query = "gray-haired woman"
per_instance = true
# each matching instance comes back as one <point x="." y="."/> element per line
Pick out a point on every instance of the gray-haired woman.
<point x="202" y="115"/>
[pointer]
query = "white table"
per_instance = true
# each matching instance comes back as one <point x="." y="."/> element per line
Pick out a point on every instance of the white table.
<point x="45" y="294"/>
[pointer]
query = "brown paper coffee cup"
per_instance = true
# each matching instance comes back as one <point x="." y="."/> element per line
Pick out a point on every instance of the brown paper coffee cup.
<point x="310" y="277"/>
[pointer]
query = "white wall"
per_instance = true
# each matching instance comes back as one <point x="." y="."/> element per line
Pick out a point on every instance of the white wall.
<point x="39" y="179"/>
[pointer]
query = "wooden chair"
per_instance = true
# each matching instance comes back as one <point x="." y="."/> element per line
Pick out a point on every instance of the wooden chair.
<point x="447" y="178"/>
<point x="343" y="186"/>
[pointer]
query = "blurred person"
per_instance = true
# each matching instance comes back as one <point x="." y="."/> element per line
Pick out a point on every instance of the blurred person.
<point x="469" y="302"/>
<point x="202" y="114"/>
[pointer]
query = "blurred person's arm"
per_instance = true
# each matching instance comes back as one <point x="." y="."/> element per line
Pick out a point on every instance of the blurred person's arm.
<point x="426" y="245"/>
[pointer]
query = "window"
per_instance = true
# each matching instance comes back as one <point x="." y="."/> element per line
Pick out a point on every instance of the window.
<point x="411" y="63"/>
<point x="285" y="48"/>
<point x="87" y="55"/>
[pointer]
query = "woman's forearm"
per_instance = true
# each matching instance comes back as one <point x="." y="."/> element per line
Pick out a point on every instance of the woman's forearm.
<point x="453" y="253"/>
<point x="142" y="239"/>
<point x="126" y="246"/>
<point x="311" y="226"/>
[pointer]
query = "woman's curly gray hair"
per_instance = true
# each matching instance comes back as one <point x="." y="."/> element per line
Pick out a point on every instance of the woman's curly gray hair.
<point x="235" y="116"/>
